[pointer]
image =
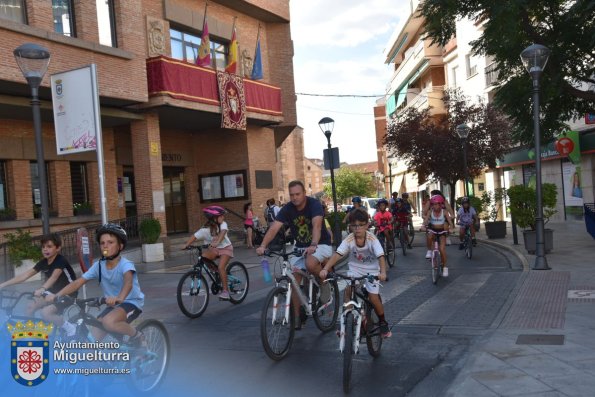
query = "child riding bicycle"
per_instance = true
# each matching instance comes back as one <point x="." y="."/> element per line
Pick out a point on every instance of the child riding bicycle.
<point x="383" y="220"/>
<point x="119" y="284"/>
<point x="466" y="217"/>
<point x="366" y="256"/>
<point x="214" y="233"/>
<point x="402" y="215"/>
<point x="438" y="219"/>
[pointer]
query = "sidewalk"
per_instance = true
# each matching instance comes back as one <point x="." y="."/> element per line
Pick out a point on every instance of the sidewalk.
<point x="542" y="343"/>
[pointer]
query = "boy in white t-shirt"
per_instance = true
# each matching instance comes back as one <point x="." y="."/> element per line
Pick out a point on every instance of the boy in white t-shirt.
<point x="215" y="234"/>
<point x="366" y="256"/>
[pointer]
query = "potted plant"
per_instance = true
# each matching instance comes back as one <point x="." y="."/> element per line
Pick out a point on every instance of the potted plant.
<point x="7" y="214"/>
<point x="476" y="203"/>
<point x="23" y="253"/>
<point x="523" y="207"/>
<point x="149" y="231"/>
<point x="492" y="202"/>
<point x="84" y="208"/>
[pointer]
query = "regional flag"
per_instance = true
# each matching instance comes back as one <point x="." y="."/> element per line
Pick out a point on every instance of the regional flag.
<point x="233" y="54"/>
<point x="204" y="51"/>
<point x="257" y="65"/>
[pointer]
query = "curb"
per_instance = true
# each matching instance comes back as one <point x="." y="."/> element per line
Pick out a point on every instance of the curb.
<point x="513" y="251"/>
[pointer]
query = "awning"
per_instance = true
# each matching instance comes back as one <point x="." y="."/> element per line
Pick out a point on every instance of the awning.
<point x="411" y="182"/>
<point x="397" y="181"/>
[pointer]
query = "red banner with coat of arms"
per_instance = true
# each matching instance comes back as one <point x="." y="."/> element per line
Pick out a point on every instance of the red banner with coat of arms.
<point x="233" y="101"/>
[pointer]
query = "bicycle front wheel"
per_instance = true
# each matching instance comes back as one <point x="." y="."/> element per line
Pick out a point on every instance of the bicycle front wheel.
<point x="193" y="294"/>
<point x="238" y="282"/>
<point x="435" y="266"/>
<point x="325" y="314"/>
<point x="276" y="331"/>
<point x="149" y="363"/>
<point x="348" y="352"/>
<point x="373" y="335"/>
<point x="411" y="233"/>
<point x="402" y="241"/>
<point x="391" y="254"/>
<point x="469" y="248"/>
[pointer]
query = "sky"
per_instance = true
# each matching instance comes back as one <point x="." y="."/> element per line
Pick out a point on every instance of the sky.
<point x="338" y="49"/>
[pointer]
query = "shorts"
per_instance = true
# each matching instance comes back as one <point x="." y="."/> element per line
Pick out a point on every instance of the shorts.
<point x="464" y="225"/>
<point x="246" y="227"/>
<point x="322" y="253"/>
<point x="224" y="251"/>
<point x="132" y="312"/>
<point x="371" y="287"/>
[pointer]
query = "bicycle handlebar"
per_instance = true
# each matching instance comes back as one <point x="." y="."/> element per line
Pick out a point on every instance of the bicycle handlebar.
<point x="368" y="277"/>
<point x="93" y="302"/>
<point x="13" y="295"/>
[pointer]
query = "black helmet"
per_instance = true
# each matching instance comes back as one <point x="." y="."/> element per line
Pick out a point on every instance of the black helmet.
<point x="114" y="229"/>
<point x="356" y="199"/>
<point x="405" y="195"/>
<point x="382" y="201"/>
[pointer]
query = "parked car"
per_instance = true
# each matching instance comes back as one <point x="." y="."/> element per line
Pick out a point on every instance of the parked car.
<point x="346" y="207"/>
<point x="370" y="204"/>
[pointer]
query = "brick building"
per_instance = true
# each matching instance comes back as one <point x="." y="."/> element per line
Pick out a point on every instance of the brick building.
<point x="165" y="153"/>
<point x="290" y="163"/>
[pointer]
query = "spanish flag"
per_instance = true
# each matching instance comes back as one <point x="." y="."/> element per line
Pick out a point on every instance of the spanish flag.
<point x="233" y="53"/>
<point x="204" y="51"/>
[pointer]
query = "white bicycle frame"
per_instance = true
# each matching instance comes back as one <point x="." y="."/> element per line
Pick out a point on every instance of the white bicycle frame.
<point x="436" y="249"/>
<point x="355" y="308"/>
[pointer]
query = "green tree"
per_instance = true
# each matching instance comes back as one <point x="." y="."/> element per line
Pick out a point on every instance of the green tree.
<point x="431" y="147"/>
<point x="350" y="182"/>
<point x="566" y="27"/>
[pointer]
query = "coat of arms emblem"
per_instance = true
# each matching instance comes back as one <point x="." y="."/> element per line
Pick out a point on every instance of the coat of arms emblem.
<point x="29" y="358"/>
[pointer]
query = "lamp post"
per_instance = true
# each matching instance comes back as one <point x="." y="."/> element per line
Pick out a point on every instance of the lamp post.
<point x="33" y="60"/>
<point x="463" y="133"/>
<point x="326" y="125"/>
<point x="534" y="59"/>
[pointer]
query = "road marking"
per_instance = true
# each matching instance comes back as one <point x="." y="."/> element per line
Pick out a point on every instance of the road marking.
<point x="581" y="294"/>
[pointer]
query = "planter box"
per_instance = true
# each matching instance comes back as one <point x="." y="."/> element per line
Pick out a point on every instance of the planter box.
<point x="26" y="265"/>
<point x="530" y="237"/>
<point x="495" y="229"/>
<point x="153" y="252"/>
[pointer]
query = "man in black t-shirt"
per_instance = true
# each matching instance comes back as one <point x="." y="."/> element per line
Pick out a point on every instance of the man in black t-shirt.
<point x="305" y="217"/>
<point x="57" y="273"/>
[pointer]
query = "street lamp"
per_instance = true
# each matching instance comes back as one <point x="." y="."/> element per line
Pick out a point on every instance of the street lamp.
<point x="463" y="133"/>
<point x="534" y="59"/>
<point x="326" y="125"/>
<point x="33" y="60"/>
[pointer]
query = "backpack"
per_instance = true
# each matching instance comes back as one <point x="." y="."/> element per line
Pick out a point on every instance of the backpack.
<point x="270" y="215"/>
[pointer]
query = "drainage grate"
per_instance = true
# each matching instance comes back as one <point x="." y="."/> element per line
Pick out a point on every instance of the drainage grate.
<point x="540" y="340"/>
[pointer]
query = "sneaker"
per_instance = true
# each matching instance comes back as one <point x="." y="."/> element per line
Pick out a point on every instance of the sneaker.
<point x="69" y="329"/>
<point x="301" y="321"/>
<point x="385" y="330"/>
<point x="138" y="340"/>
<point x="325" y="293"/>
<point x="224" y="296"/>
<point x="429" y="254"/>
<point x="409" y="246"/>
<point x="461" y="246"/>
<point x="474" y="241"/>
<point x="444" y="271"/>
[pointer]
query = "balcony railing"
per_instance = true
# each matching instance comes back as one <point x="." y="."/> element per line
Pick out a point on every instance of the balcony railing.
<point x="182" y="80"/>
<point x="491" y="73"/>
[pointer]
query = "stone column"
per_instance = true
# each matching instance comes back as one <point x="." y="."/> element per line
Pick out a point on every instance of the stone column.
<point x="60" y="184"/>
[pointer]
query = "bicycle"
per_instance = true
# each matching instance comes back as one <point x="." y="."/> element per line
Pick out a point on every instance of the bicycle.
<point x="390" y="253"/>
<point x="148" y="361"/>
<point x="468" y="242"/>
<point x="277" y="322"/>
<point x="9" y="300"/>
<point x="358" y="320"/>
<point x="193" y="290"/>
<point x="436" y="259"/>
<point x="400" y="229"/>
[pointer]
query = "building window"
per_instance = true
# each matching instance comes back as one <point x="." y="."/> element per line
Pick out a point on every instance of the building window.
<point x="3" y="187"/>
<point x="78" y="181"/>
<point x="14" y="10"/>
<point x="63" y="11"/>
<point x="106" y="21"/>
<point x="223" y="186"/>
<point x="471" y="66"/>
<point x="453" y="79"/>
<point x="36" y="188"/>
<point x="185" y="46"/>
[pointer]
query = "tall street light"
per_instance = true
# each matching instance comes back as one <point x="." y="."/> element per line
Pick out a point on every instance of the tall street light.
<point x="33" y="60"/>
<point x="534" y="59"/>
<point x="326" y="124"/>
<point x="463" y="133"/>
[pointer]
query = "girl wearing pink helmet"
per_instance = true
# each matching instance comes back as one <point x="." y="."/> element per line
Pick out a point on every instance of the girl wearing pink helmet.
<point x="438" y="219"/>
<point x="214" y="233"/>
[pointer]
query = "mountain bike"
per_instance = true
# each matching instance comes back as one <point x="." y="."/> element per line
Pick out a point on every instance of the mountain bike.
<point x="193" y="289"/>
<point x="358" y="320"/>
<point x="400" y="230"/>
<point x="148" y="361"/>
<point x="468" y="242"/>
<point x="277" y="321"/>
<point x="436" y="259"/>
<point x="390" y="252"/>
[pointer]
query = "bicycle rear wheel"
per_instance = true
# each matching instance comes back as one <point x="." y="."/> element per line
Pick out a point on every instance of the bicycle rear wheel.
<point x="436" y="266"/>
<point x="373" y="336"/>
<point x="348" y="352"/>
<point x="411" y="232"/>
<point x="149" y="363"/>
<point x="276" y="332"/>
<point x="468" y="247"/>
<point x="391" y="253"/>
<point x="402" y="241"/>
<point x="325" y="314"/>
<point x="238" y="282"/>
<point x="193" y="294"/>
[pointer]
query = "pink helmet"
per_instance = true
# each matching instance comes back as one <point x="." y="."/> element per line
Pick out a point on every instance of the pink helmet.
<point x="213" y="211"/>
<point x="437" y="199"/>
